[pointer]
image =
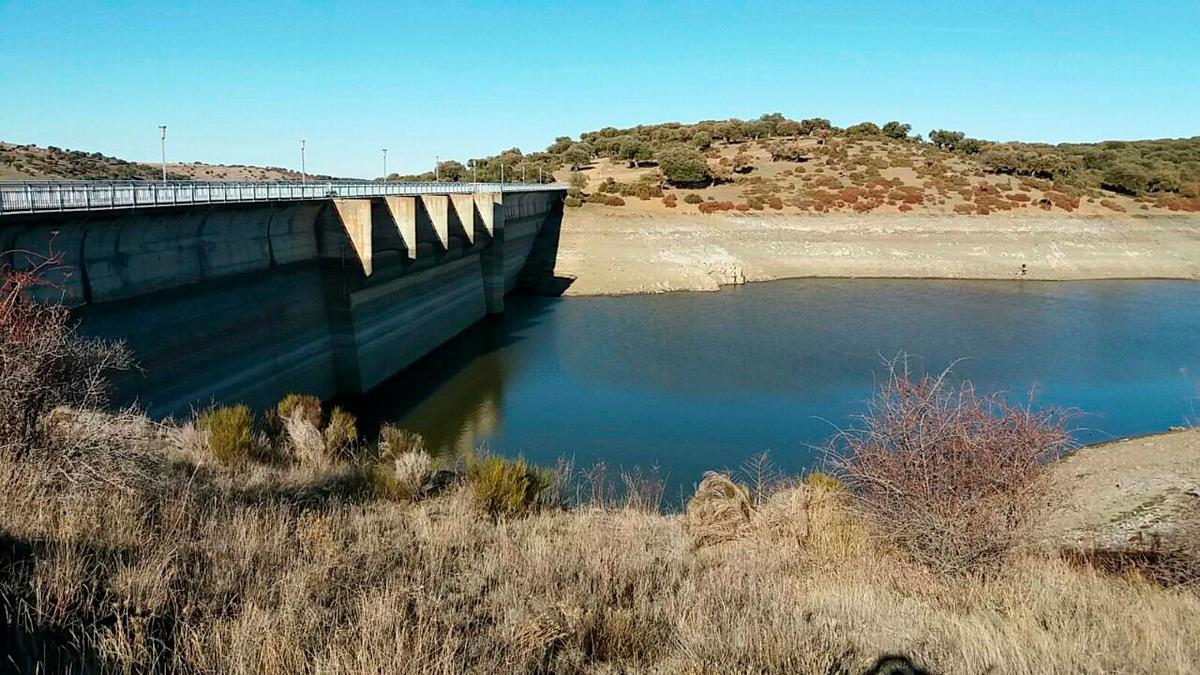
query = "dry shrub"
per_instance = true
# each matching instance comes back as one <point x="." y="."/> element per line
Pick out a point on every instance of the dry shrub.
<point x="614" y="201"/>
<point x="44" y="362"/>
<point x="720" y="510"/>
<point x="403" y="476"/>
<point x="775" y="202"/>
<point x="692" y="198"/>
<point x="506" y="487"/>
<point x="394" y="440"/>
<point x="306" y="405"/>
<point x="670" y="201"/>
<point x="341" y="434"/>
<point x="305" y="441"/>
<point x="229" y="431"/>
<point x="954" y="478"/>
<point x="1110" y="204"/>
<point x="404" y="468"/>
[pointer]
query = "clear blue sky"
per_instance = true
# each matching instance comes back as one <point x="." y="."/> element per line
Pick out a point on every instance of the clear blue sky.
<point x="243" y="82"/>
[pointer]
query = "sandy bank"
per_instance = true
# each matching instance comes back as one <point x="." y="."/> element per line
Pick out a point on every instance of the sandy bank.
<point x="615" y="252"/>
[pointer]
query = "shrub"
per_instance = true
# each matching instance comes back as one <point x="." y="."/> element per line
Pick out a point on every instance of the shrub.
<point x="953" y="478"/>
<point x="614" y="201"/>
<point x="720" y="510"/>
<point x="505" y="487"/>
<point x="230" y="433"/>
<point x="341" y="433"/>
<point x="402" y="478"/>
<point x="394" y="440"/>
<point x="692" y="198"/>
<point x="670" y="201"/>
<point x="44" y="362"/>
<point x="307" y="406"/>
<point x="775" y="202"/>
<point x="573" y="202"/>
<point x="822" y="480"/>
<point x="403" y="469"/>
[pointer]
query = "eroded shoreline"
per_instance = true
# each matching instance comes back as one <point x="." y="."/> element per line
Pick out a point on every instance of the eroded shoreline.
<point x="609" y="252"/>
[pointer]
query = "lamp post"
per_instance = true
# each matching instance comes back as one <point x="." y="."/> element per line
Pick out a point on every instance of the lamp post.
<point x="437" y="169"/>
<point x="385" y="165"/>
<point x="502" y="173"/>
<point x="474" y="171"/>
<point x="162" y="135"/>
<point x="303" y="172"/>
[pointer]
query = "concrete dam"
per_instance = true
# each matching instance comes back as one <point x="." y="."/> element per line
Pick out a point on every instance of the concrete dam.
<point x="325" y="289"/>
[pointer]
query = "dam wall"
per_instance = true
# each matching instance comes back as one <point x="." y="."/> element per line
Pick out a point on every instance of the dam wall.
<point x="248" y="302"/>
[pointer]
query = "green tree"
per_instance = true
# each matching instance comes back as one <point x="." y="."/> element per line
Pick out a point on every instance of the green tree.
<point x="635" y="151"/>
<point x="682" y="165"/>
<point x="814" y="125"/>
<point x="863" y="129"/>
<point x="788" y="128"/>
<point x="576" y="184"/>
<point x="1127" y="178"/>
<point x="897" y="130"/>
<point x="946" y="140"/>
<point x="576" y="156"/>
<point x="560" y="145"/>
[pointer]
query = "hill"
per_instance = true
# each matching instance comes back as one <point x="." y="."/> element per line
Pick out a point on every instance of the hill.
<point x="19" y="162"/>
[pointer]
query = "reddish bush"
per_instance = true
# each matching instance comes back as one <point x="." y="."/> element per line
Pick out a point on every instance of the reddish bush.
<point x="743" y="207"/>
<point x="954" y="478"/>
<point x="44" y="363"/>
<point x="614" y="201"/>
<point x="1110" y="204"/>
<point x="775" y="203"/>
<point x="906" y="207"/>
<point x="670" y="201"/>
<point x="1186" y="204"/>
<point x="964" y="209"/>
<point x="1018" y="197"/>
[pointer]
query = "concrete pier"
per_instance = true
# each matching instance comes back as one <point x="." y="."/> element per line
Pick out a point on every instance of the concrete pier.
<point x="247" y="302"/>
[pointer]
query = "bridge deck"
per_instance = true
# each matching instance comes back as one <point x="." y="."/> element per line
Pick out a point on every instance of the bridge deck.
<point x="51" y="196"/>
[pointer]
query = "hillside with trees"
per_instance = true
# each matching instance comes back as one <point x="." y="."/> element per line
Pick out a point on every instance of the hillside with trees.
<point x="810" y="165"/>
<point x="774" y="163"/>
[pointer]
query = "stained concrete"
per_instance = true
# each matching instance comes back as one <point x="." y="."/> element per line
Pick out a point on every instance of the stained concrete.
<point x="249" y="302"/>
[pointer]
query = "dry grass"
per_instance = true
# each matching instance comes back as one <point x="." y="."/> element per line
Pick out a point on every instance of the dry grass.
<point x="271" y="569"/>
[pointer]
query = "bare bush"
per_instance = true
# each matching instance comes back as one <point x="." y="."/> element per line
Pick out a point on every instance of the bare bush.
<point x="304" y="439"/>
<point x="44" y="362"/>
<point x="954" y="478"/>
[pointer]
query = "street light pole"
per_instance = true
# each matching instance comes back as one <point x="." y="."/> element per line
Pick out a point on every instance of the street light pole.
<point x="502" y="173"/>
<point x="303" y="171"/>
<point x="385" y="165"/>
<point x="162" y="134"/>
<point x="437" y="168"/>
<point x="474" y="171"/>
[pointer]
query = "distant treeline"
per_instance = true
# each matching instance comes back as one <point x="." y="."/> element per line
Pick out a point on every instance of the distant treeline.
<point x="679" y="150"/>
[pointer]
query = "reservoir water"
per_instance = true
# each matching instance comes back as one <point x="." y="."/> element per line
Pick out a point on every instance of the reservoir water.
<point x="690" y="382"/>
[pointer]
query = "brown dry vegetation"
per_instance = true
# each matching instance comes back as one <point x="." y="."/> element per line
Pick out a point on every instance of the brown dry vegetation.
<point x="129" y="545"/>
<point x="142" y="552"/>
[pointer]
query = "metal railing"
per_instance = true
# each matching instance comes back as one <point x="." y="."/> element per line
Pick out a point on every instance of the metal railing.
<point x="87" y="195"/>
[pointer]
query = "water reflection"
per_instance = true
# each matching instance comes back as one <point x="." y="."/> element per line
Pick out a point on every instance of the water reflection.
<point x="697" y="381"/>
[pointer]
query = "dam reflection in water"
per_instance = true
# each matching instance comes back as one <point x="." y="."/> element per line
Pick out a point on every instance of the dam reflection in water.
<point x="698" y="381"/>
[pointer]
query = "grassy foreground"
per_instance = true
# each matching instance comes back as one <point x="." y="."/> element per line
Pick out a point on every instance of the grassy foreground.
<point x="134" y="549"/>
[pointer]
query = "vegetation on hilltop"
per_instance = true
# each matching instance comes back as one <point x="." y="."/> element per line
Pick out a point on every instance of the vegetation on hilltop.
<point x="31" y="161"/>
<point x="230" y="543"/>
